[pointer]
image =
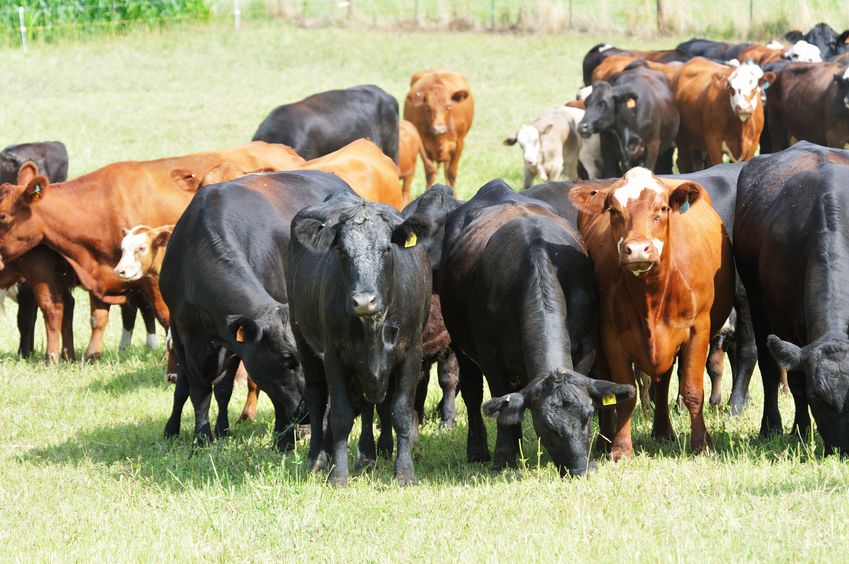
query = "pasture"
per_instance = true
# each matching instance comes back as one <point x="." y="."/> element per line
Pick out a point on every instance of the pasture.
<point x="85" y="473"/>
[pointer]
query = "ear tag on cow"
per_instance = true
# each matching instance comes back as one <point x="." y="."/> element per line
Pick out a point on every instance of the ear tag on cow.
<point x="685" y="206"/>
<point x="240" y="334"/>
<point x="36" y="192"/>
<point x="608" y="399"/>
<point x="411" y="240"/>
<point x="631" y="104"/>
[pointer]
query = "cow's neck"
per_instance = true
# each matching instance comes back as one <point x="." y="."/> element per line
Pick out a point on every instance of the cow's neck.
<point x="826" y="301"/>
<point x="650" y="294"/>
<point x="545" y="335"/>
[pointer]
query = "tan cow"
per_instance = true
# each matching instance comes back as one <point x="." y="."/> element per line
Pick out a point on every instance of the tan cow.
<point x="441" y="106"/>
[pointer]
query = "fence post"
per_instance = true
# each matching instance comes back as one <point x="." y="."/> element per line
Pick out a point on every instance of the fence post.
<point x="492" y="14"/>
<point x="237" y="13"/>
<point x="23" y="28"/>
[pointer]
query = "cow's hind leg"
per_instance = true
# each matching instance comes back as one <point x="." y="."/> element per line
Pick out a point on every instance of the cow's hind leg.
<point x="471" y="386"/>
<point x="27" y="314"/>
<point x="715" y="368"/>
<point x="223" y="390"/>
<point x="366" y="452"/>
<point x="662" y="425"/>
<point x="692" y="361"/>
<point x="249" y="409"/>
<point x="449" y="379"/>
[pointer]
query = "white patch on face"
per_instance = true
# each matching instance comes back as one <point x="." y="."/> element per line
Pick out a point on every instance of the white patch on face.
<point x="584" y="93"/>
<point x="129" y="268"/>
<point x="775" y="45"/>
<point x="528" y="139"/>
<point x="619" y="246"/>
<point x="745" y="89"/>
<point x="636" y="180"/>
<point x="804" y="52"/>
<point x="658" y="244"/>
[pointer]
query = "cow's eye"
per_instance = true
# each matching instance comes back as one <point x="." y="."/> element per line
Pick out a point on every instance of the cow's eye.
<point x="664" y="209"/>
<point x="386" y="250"/>
<point x="602" y="104"/>
<point x="612" y="212"/>
<point x="142" y="249"/>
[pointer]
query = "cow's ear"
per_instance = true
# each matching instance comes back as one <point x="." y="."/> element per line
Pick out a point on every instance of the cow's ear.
<point x="510" y="141"/>
<point x="313" y="234"/>
<point x="460" y="95"/>
<point x="547" y="129"/>
<point x="794" y="36"/>
<point x="185" y="179"/>
<point x="767" y="79"/>
<point x="406" y="235"/>
<point x="416" y="98"/>
<point x="628" y="99"/>
<point x="507" y="410"/>
<point x="786" y="354"/>
<point x="608" y="394"/>
<point x="683" y="196"/>
<point x="124" y="232"/>
<point x="243" y="329"/>
<point x="36" y="189"/>
<point x="161" y="239"/>
<point x="221" y="173"/>
<point x="843" y="38"/>
<point x="27" y="172"/>
<point x="588" y="198"/>
<point x="719" y="78"/>
<point x="586" y="364"/>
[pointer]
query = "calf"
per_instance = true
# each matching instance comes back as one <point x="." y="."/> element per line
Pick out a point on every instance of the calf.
<point x="721" y="112"/>
<point x="810" y="102"/>
<point x="360" y="288"/>
<point x="637" y="118"/>
<point x="410" y="148"/>
<point x="142" y="251"/>
<point x="223" y="282"/>
<point x="791" y="221"/>
<point x="534" y="334"/>
<point x="327" y="121"/>
<point x="664" y="269"/>
<point x="441" y="106"/>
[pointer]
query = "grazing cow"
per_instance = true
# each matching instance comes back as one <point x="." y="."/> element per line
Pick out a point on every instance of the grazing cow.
<point x="35" y="212"/>
<point x="410" y="148"/>
<point x="715" y="50"/>
<point x="637" y="119"/>
<point x="550" y="146"/>
<point x="792" y="249"/>
<point x="823" y="37"/>
<point x="664" y="270"/>
<point x="441" y="106"/>
<point x="240" y="304"/>
<point x="598" y="53"/>
<point x="365" y="168"/>
<point x="360" y="289"/>
<point x="534" y="334"/>
<point x="810" y="102"/>
<point x="721" y="112"/>
<point x="327" y="121"/>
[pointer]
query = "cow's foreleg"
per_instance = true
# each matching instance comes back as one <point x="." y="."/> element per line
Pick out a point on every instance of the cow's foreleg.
<point x="621" y="373"/>
<point x="223" y="390"/>
<point x="454" y="164"/>
<point x="402" y="415"/>
<point x="692" y="363"/>
<point x="27" y="315"/>
<point x="249" y="410"/>
<point x="802" y="419"/>
<point x="661" y="428"/>
<point x="471" y="387"/>
<point x="49" y="299"/>
<point x="128" y="321"/>
<point x="366" y="452"/>
<point x="341" y="417"/>
<point x="715" y="369"/>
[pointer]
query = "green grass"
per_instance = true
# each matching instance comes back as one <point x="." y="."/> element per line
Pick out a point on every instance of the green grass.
<point x="85" y="473"/>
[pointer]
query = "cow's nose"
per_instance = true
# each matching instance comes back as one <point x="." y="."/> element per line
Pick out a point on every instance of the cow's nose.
<point x="3" y="217"/>
<point x="120" y="272"/>
<point x="364" y="304"/>
<point x="637" y="250"/>
<point x="439" y="129"/>
<point x="583" y="130"/>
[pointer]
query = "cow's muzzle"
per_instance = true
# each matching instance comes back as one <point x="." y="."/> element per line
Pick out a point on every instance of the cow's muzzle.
<point x="439" y="129"/>
<point x="639" y="257"/>
<point x="365" y="304"/>
<point x="584" y="130"/>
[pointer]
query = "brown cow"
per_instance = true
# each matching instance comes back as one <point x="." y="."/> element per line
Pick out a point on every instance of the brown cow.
<point x="362" y="164"/>
<point x="82" y="219"/>
<point x="441" y="106"/>
<point x="665" y="274"/>
<point x="410" y="148"/>
<point x="721" y="112"/>
<point x="617" y="63"/>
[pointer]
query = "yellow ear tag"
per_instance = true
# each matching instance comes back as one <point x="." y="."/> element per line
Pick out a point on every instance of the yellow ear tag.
<point x="36" y="192"/>
<point x="411" y="241"/>
<point x="609" y="399"/>
<point x="631" y="104"/>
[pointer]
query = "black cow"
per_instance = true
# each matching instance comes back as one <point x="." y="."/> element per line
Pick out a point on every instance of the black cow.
<point x="716" y="50"/>
<point x="637" y="117"/>
<point x="824" y="37"/>
<point x="791" y="244"/>
<point x="50" y="157"/>
<point x="223" y="282"/>
<point x="327" y="121"/>
<point x="360" y="288"/>
<point x="519" y="300"/>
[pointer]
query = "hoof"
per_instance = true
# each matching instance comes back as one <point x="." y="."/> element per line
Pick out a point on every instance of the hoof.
<point x="319" y="463"/>
<point x="152" y="341"/>
<point x="363" y="462"/>
<point x="246" y="416"/>
<point x="337" y="479"/>
<point x="618" y="454"/>
<point x="406" y="479"/>
<point x="446" y="424"/>
<point x="171" y="433"/>
<point x="737" y="408"/>
<point x="171" y="378"/>
<point x="666" y="435"/>
<point x="478" y="454"/>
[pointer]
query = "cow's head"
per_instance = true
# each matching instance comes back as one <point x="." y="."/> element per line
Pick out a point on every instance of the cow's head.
<point x="19" y="228"/>
<point x="426" y="216"/>
<point x="744" y="87"/>
<point x="530" y="141"/>
<point x="639" y="207"/>
<point x="825" y="364"/>
<point x="821" y="35"/>
<point x="601" y="110"/>
<point x="437" y="102"/>
<point x="842" y="81"/>
<point x="562" y="404"/>
<point x="142" y="251"/>
<point x="803" y="52"/>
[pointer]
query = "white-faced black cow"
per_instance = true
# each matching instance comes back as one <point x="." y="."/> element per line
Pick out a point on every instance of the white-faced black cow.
<point x="223" y="281"/>
<point x="535" y="331"/>
<point x="360" y="288"/>
<point x="791" y="244"/>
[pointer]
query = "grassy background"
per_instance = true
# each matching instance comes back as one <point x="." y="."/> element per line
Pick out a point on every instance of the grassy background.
<point x="85" y="474"/>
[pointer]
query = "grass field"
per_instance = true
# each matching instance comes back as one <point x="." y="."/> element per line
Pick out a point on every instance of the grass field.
<point x="84" y="471"/>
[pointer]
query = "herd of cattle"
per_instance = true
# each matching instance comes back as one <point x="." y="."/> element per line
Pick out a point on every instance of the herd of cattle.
<point x="298" y="261"/>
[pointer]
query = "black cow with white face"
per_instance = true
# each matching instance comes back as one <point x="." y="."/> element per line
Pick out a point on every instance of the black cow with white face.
<point x="223" y="281"/>
<point x="519" y="300"/>
<point x="360" y="289"/>
<point x="791" y="245"/>
<point x="637" y="117"/>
